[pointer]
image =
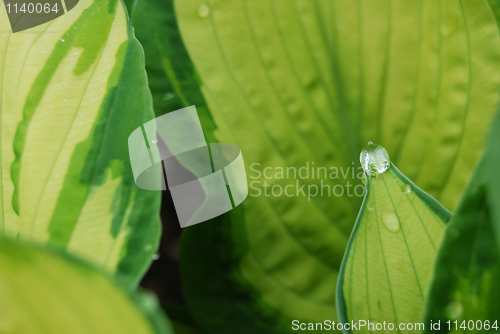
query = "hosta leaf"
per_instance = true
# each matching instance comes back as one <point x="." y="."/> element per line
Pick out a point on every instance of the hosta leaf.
<point x="171" y="73"/>
<point x="297" y="82"/>
<point x="389" y="259"/>
<point x="181" y="319"/>
<point x="45" y="292"/>
<point x="71" y="92"/>
<point x="465" y="284"/>
<point x="154" y="23"/>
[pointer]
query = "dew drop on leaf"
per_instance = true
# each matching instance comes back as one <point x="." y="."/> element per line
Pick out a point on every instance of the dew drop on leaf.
<point x="154" y="141"/>
<point x="374" y="159"/>
<point x="406" y="189"/>
<point x="370" y="205"/>
<point x="203" y="11"/>
<point x="391" y="222"/>
<point x="155" y="256"/>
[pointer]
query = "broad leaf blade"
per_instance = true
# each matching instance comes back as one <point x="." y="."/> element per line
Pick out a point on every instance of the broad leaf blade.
<point x="171" y="74"/>
<point x="389" y="258"/>
<point x="465" y="284"/>
<point x="45" y="292"/>
<point x="312" y="81"/>
<point x="72" y="91"/>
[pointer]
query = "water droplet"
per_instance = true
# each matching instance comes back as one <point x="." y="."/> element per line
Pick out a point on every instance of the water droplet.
<point x="454" y="310"/>
<point x="155" y="256"/>
<point x="370" y="205"/>
<point x="406" y="189"/>
<point x="374" y="159"/>
<point x="168" y="96"/>
<point x="203" y="11"/>
<point x="391" y="222"/>
<point x="370" y="143"/>
<point x="154" y="141"/>
<point x="62" y="40"/>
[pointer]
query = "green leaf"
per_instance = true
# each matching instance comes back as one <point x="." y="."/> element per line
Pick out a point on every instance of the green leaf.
<point x="181" y="319"/>
<point x="47" y="292"/>
<point x="297" y="82"/>
<point x="171" y="74"/>
<point x="71" y="92"/>
<point x="465" y="284"/>
<point x="389" y="259"/>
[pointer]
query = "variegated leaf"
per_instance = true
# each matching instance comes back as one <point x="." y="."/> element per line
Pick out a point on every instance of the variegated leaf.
<point x="71" y="92"/>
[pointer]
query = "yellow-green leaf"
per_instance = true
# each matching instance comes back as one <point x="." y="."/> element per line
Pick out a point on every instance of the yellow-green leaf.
<point x="296" y="82"/>
<point x="71" y="92"/>
<point x="389" y="259"/>
<point x="46" y="292"/>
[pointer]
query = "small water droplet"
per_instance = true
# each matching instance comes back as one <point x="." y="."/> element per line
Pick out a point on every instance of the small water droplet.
<point x="62" y="40"/>
<point x="374" y="160"/>
<point x="154" y="141"/>
<point x="454" y="310"/>
<point x="370" y="143"/>
<point x="370" y="205"/>
<point x="155" y="256"/>
<point x="391" y="222"/>
<point x="168" y="96"/>
<point x="203" y="11"/>
<point x="406" y="189"/>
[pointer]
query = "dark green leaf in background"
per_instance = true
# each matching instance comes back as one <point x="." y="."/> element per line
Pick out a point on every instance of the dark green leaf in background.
<point x="465" y="285"/>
